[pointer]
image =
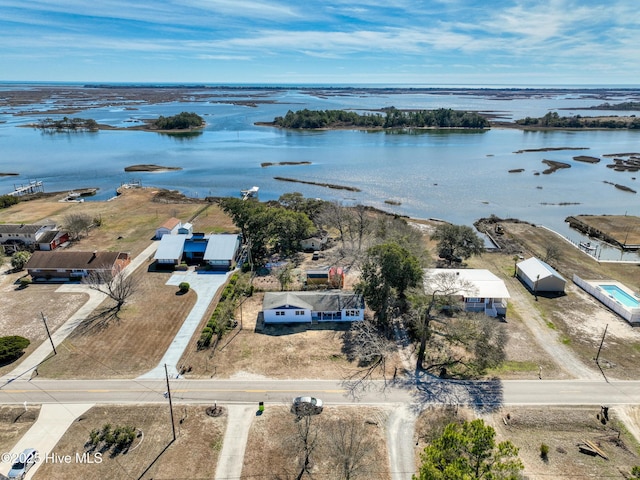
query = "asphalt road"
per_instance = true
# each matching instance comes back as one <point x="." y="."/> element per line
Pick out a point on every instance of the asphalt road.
<point x="483" y="395"/>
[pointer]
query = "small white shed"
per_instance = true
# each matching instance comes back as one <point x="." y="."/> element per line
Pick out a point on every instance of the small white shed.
<point x="538" y="276"/>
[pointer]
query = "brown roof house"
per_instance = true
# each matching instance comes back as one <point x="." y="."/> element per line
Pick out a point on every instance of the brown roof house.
<point x="70" y="266"/>
<point x="169" y="227"/>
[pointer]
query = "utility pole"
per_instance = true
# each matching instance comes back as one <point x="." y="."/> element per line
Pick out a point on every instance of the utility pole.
<point x="44" y="320"/>
<point x="601" y="342"/>
<point x="173" y="424"/>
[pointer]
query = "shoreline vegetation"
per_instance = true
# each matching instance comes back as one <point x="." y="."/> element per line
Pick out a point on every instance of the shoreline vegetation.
<point x="182" y="122"/>
<point x="319" y="184"/>
<point x="149" y="167"/>
<point x="274" y="164"/>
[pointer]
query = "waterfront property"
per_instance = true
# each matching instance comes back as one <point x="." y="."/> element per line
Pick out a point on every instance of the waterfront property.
<point x="479" y="290"/>
<point x="70" y="266"/>
<point x="310" y="307"/>
<point x="614" y="295"/>
<point x="24" y="234"/>
<point x="538" y="276"/>
<point x="219" y="252"/>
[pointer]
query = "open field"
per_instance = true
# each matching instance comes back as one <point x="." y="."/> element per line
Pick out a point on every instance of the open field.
<point x="194" y="454"/>
<point x="274" y="440"/>
<point x="621" y="229"/>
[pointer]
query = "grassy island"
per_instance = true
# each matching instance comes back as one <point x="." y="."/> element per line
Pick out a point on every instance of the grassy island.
<point x="67" y="124"/>
<point x="182" y="121"/>
<point x="393" y="119"/>
<point x="553" y="120"/>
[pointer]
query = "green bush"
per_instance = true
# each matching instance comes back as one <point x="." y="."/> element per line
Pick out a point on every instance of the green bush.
<point x="544" y="450"/>
<point x="184" y="287"/>
<point x="11" y="348"/>
<point x="25" y="281"/>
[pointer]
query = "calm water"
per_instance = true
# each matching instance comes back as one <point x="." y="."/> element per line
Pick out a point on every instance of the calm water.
<point x="457" y="176"/>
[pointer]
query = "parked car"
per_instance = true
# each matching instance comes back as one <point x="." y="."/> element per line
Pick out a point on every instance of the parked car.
<point x="315" y="255"/>
<point x="306" y="406"/>
<point x="25" y="461"/>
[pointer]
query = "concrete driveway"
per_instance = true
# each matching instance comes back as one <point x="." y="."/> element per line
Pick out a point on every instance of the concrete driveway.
<point x="205" y="285"/>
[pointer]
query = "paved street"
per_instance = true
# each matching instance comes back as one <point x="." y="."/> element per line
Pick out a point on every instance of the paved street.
<point x="483" y="395"/>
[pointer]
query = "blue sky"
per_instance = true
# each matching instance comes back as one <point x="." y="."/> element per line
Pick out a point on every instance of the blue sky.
<point x="453" y="42"/>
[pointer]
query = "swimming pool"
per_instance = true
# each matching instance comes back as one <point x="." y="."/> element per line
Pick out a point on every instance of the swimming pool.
<point x="621" y="296"/>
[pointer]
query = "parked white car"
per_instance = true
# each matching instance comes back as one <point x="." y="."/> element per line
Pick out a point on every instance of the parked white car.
<point x="306" y="406"/>
<point x="23" y="463"/>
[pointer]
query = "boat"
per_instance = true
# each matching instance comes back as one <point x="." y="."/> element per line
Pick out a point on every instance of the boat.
<point x="587" y="246"/>
<point x="251" y="192"/>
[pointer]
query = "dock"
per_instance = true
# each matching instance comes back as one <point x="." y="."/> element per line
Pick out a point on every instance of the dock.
<point x="35" y="186"/>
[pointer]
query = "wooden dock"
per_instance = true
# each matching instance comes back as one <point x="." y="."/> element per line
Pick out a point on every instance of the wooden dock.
<point x="35" y="186"/>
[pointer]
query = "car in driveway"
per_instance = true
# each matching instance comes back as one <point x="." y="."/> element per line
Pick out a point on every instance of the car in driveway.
<point x="23" y="463"/>
<point x="306" y="406"/>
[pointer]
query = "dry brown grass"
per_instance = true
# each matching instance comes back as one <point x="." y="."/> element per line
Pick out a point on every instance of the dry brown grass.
<point x="14" y="423"/>
<point x="130" y="345"/>
<point x="22" y="308"/>
<point x="274" y="435"/>
<point x="561" y="428"/>
<point x="278" y="351"/>
<point x="193" y="455"/>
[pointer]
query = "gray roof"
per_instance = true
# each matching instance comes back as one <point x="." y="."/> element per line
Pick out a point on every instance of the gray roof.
<point x="536" y="268"/>
<point x="328" y="301"/>
<point x="171" y="247"/>
<point x="21" y="228"/>
<point x="222" y="247"/>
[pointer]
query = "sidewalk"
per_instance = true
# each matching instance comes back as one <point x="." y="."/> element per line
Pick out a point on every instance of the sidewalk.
<point x="206" y="286"/>
<point x="26" y="367"/>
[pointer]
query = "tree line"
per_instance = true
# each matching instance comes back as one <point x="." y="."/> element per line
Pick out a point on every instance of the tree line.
<point x="553" y="120"/>
<point x="393" y="118"/>
<point x="180" y="121"/>
<point x="68" y="124"/>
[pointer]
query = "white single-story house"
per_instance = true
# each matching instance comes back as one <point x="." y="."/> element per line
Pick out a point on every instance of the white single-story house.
<point x="170" y="227"/>
<point x="313" y="243"/>
<point x="539" y="276"/>
<point x="309" y="307"/>
<point x="485" y="293"/>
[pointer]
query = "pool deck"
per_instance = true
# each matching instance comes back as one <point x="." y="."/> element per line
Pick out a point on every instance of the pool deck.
<point x="593" y="287"/>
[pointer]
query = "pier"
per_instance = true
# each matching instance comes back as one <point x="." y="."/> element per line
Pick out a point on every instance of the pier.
<point x="35" y="186"/>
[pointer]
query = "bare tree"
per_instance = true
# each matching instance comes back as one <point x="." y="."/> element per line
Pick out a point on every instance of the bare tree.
<point x="114" y="284"/>
<point x="552" y="253"/>
<point x="308" y="440"/>
<point x="439" y="292"/>
<point x="367" y="344"/>
<point x="351" y="448"/>
<point x="76" y="223"/>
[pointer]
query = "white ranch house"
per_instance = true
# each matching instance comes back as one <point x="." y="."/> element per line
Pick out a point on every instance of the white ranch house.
<point x="310" y="307"/>
<point x="487" y="293"/>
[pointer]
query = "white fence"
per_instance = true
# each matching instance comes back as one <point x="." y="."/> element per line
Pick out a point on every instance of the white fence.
<point x="631" y="315"/>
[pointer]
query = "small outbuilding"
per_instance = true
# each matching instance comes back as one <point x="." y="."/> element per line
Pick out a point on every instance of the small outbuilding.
<point x="538" y="276"/>
<point x="169" y="227"/>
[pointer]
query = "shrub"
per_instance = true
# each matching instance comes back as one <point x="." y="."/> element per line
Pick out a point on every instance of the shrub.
<point x="11" y="348"/>
<point x="544" y="450"/>
<point x="20" y="259"/>
<point x="25" y="281"/>
<point x="184" y="287"/>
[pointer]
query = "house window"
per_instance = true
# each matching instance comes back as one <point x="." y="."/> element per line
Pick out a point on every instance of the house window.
<point x="472" y="300"/>
<point x="299" y="312"/>
<point x="351" y="313"/>
<point x="279" y="313"/>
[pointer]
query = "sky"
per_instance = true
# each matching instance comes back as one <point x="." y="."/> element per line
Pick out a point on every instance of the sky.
<point x="322" y="42"/>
